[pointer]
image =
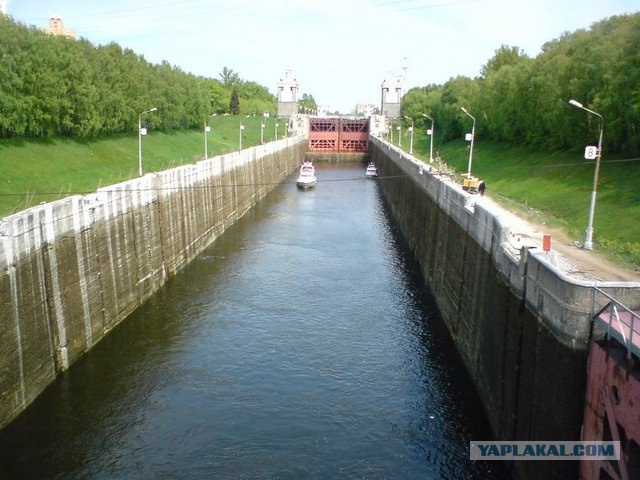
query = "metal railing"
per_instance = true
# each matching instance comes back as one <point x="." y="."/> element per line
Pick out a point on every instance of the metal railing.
<point x="619" y="320"/>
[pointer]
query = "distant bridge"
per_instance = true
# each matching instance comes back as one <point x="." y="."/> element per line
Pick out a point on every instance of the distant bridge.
<point x="338" y="134"/>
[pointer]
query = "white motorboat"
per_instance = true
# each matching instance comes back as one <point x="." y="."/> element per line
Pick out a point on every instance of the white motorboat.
<point x="372" y="170"/>
<point x="307" y="175"/>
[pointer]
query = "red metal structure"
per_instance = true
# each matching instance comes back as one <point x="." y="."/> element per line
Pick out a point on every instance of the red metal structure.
<point x="354" y="135"/>
<point x="323" y="134"/>
<point x="613" y="392"/>
<point x="338" y="135"/>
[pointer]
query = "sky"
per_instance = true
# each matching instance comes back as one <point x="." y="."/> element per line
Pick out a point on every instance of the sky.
<point x="339" y="51"/>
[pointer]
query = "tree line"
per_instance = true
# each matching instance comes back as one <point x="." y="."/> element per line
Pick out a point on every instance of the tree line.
<point x="523" y="100"/>
<point x="58" y="86"/>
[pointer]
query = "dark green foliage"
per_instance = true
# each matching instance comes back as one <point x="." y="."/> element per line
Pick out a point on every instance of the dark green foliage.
<point x="234" y="103"/>
<point x="255" y="99"/>
<point x="51" y="86"/>
<point x="307" y="103"/>
<point x="228" y="77"/>
<point x="522" y="100"/>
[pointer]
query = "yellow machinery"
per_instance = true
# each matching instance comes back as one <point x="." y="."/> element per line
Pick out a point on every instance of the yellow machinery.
<point x="470" y="184"/>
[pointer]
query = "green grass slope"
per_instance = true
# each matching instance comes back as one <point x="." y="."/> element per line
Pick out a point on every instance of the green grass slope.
<point x="42" y="170"/>
<point x="554" y="188"/>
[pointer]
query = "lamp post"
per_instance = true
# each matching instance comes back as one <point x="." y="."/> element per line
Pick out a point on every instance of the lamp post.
<point x="207" y="129"/>
<point x="391" y="129"/>
<point x="411" y="130"/>
<point x="262" y="132"/>
<point x="588" y="236"/>
<point x="241" y="129"/>
<point x="473" y="134"/>
<point x="431" y="133"/>
<point x="140" y="134"/>
<point x="400" y="135"/>
<point x="276" y="130"/>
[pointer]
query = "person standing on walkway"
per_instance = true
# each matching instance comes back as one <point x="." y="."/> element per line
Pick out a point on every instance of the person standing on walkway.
<point x="482" y="187"/>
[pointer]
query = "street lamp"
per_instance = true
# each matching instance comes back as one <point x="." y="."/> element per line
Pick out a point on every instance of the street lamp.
<point x="207" y="129"/>
<point x="588" y="236"/>
<point x="391" y="129"/>
<point x="276" y="130"/>
<point x="400" y="135"/>
<point x="241" y="129"/>
<point x="473" y="134"/>
<point x="431" y="133"/>
<point x="262" y="133"/>
<point x="142" y="132"/>
<point x="411" y="141"/>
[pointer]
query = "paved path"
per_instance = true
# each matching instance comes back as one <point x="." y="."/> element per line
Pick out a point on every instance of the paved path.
<point x="574" y="261"/>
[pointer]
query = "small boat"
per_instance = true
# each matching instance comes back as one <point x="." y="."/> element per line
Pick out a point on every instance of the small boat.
<point x="372" y="171"/>
<point x="307" y="175"/>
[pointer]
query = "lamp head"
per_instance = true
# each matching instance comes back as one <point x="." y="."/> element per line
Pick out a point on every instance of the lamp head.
<point x="575" y="103"/>
<point x="464" y="109"/>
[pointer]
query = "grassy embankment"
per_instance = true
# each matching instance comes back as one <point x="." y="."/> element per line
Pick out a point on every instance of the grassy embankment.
<point x="551" y="188"/>
<point x="554" y="189"/>
<point x="43" y="170"/>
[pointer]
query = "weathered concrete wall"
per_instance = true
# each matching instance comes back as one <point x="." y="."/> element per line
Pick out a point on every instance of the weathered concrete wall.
<point x="71" y="270"/>
<point x="332" y="157"/>
<point x="521" y="326"/>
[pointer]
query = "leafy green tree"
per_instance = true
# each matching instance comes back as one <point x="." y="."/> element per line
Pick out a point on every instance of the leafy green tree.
<point x="623" y="105"/>
<point x="523" y="100"/>
<point x="229" y="77"/>
<point x="307" y="103"/>
<point x="421" y="100"/>
<point x="219" y="96"/>
<point x="505" y="55"/>
<point x="456" y="93"/>
<point x="502" y="100"/>
<point x="255" y="99"/>
<point x="58" y="86"/>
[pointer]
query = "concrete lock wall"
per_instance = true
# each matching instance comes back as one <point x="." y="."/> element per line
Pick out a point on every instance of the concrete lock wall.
<point x="73" y="269"/>
<point x="520" y="325"/>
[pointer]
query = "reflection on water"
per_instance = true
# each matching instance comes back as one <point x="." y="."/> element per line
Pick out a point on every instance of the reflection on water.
<point x="302" y="344"/>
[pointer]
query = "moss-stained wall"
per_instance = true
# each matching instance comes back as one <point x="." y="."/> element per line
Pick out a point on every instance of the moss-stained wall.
<point x="521" y="326"/>
<point x="71" y="270"/>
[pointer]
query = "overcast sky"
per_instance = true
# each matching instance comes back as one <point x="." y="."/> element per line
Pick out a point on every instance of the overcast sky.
<point x="340" y="51"/>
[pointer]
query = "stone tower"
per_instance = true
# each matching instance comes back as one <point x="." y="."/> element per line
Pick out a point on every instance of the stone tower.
<point x="392" y="96"/>
<point x="287" y="96"/>
<point x="56" y="27"/>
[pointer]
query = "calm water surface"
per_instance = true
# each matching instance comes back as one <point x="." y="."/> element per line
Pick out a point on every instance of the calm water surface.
<point x="302" y="344"/>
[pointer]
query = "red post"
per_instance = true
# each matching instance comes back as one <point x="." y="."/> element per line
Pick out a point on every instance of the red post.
<point x="546" y="242"/>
